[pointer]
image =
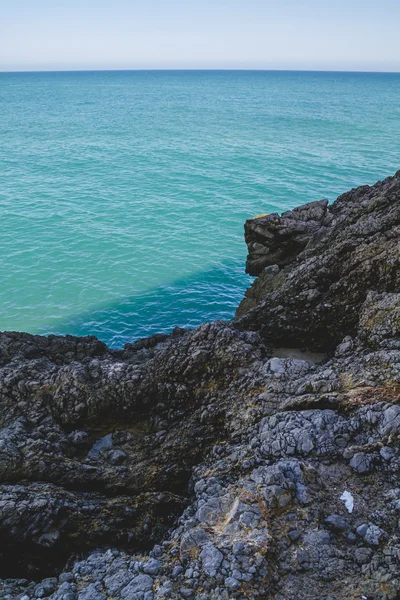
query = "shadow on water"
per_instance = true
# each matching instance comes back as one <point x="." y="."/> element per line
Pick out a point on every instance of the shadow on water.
<point x="204" y="296"/>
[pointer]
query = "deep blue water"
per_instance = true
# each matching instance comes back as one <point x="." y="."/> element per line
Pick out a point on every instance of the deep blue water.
<point x="123" y="194"/>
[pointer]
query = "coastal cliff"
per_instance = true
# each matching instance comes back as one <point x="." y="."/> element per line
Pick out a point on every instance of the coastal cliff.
<point x="317" y="263"/>
<point x="256" y="458"/>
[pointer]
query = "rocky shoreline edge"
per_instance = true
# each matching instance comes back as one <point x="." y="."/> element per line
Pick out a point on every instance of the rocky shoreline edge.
<point x="256" y="458"/>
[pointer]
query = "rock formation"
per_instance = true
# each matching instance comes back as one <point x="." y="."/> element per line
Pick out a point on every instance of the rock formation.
<point x="221" y="462"/>
<point x="317" y="263"/>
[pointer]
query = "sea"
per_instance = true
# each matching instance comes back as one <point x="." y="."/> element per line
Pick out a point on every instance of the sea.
<point x="123" y="194"/>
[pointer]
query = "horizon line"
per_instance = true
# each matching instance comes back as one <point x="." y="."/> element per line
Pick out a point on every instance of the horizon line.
<point x="178" y="69"/>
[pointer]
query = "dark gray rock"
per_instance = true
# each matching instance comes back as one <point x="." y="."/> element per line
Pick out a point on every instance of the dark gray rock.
<point x="371" y="533"/>
<point x="362" y="463"/>
<point x="275" y="241"/>
<point x="363" y="555"/>
<point x="94" y="591"/>
<point x="138" y="585"/>
<point x="330" y="258"/>
<point x="336" y="523"/>
<point x="212" y="463"/>
<point x="152" y="567"/>
<point x="45" y="588"/>
<point x="211" y="559"/>
<point x="186" y="592"/>
<point x="232" y="583"/>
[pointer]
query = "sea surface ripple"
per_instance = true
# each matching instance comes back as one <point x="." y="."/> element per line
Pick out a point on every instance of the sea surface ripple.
<point x="123" y="194"/>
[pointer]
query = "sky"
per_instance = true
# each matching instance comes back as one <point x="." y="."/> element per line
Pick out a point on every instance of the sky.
<point x="360" y="35"/>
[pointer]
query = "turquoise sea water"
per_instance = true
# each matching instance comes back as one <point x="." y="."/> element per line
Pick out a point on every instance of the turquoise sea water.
<point x="123" y="194"/>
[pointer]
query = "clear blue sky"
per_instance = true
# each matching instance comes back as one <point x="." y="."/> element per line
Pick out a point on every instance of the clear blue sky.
<point x="249" y="34"/>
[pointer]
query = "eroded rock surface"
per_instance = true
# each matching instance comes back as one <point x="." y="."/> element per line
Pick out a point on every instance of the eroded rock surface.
<point x="201" y="464"/>
<point x="317" y="263"/>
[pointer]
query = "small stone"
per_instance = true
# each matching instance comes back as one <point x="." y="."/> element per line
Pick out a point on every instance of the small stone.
<point x="294" y="535"/>
<point x="141" y="583"/>
<point x="92" y="592"/>
<point x="68" y="576"/>
<point x="344" y="347"/>
<point x="157" y="551"/>
<point x="371" y="533"/>
<point x="117" y="456"/>
<point x="362" y="555"/>
<point x="176" y="571"/>
<point x="152" y="567"/>
<point x="387" y="453"/>
<point x="336" y="522"/>
<point x="232" y="583"/>
<point x="193" y="538"/>
<point x="46" y="587"/>
<point x="211" y="559"/>
<point x="361" y="463"/>
<point x="237" y="574"/>
<point x="186" y="592"/>
<point x="238" y="548"/>
<point x="100" y="445"/>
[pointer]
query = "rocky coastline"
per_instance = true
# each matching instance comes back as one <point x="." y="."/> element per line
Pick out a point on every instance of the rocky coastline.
<point x="256" y="458"/>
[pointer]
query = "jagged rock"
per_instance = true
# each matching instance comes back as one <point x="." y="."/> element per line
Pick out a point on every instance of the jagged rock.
<point x="206" y="464"/>
<point x="362" y="463"/>
<point x="380" y="320"/>
<point x="275" y="241"/>
<point x="328" y="258"/>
